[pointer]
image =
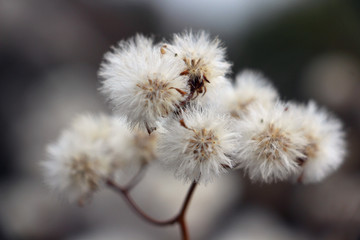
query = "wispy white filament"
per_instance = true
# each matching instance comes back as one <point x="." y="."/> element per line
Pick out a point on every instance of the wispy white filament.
<point x="250" y="88"/>
<point x="325" y="148"/>
<point x="141" y="83"/>
<point x="204" y="62"/>
<point x="198" y="144"/>
<point x="92" y="150"/>
<point x="270" y="144"/>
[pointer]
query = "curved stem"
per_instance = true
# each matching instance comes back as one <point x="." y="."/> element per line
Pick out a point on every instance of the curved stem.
<point x="137" y="178"/>
<point x="179" y="218"/>
<point x="187" y="199"/>
<point x="125" y="193"/>
<point x="184" y="229"/>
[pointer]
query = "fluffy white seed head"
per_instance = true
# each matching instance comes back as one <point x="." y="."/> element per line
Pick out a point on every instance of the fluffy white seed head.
<point x="83" y="156"/>
<point x="141" y="147"/>
<point x="142" y="84"/>
<point x="197" y="144"/>
<point x="270" y="143"/>
<point x="250" y="88"/>
<point x="93" y="149"/>
<point x="325" y="148"/>
<point x="138" y="151"/>
<point x="203" y="59"/>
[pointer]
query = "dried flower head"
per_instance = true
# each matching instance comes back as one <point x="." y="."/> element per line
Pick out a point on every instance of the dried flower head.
<point x="85" y="155"/>
<point x="197" y="144"/>
<point x="142" y="147"/>
<point x="270" y="143"/>
<point x="325" y="148"/>
<point x="141" y="84"/>
<point x="204" y="63"/>
<point x="250" y="87"/>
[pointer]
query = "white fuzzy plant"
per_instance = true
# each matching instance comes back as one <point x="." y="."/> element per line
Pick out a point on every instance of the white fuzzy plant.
<point x="173" y="103"/>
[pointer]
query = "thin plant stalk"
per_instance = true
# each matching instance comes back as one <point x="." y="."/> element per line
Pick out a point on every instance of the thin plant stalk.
<point x="178" y="218"/>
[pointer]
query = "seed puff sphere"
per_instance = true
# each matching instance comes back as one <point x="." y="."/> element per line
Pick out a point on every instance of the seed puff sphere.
<point x="204" y="63"/>
<point x="270" y="143"/>
<point x="325" y="149"/>
<point x="141" y="83"/>
<point x="250" y="88"/>
<point x="84" y="155"/>
<point x="198" y="144"/>
<point x="143" y="150"/>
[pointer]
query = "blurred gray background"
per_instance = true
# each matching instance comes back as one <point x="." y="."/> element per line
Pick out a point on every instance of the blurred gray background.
<point x="50" y="52"/>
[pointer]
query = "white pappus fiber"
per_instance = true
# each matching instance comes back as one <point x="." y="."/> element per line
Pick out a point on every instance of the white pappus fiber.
<point x="250" y="88"/>
<point x="204" y="63"/>
<point x="271" y="143"/>
<point x="141" y="83"/>
<point x="198" y="144"/>
<point x="325" y="148"/>
<point x="92" y="150"/>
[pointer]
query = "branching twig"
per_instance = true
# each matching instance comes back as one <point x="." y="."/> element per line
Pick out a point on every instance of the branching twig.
<point x="136" y="179"/>
<point x="179" y="218"/>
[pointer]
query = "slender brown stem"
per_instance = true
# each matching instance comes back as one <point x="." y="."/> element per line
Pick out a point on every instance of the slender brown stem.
<point x="125" y="193"/>
<point x="137" y="178"/>
<point x="179" y="218"/>
<point x="184" y="229"/>
<point x="187" y="199"/>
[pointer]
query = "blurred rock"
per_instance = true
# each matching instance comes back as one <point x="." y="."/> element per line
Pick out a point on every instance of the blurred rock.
<point x="258" y="224"/>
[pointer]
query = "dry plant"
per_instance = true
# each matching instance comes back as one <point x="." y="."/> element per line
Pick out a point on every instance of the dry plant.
<point x="173" y="102"/>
